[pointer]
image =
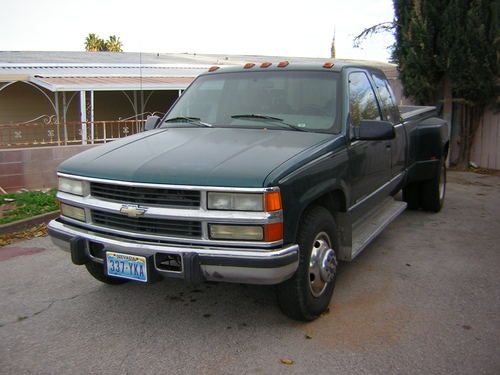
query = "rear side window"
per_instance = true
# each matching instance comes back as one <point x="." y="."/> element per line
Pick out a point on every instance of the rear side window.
<point x="389" y="108"/>
<point x="362" y="101"/>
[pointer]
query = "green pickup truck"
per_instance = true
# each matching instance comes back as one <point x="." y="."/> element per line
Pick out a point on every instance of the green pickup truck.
<point x="261" y="174"/>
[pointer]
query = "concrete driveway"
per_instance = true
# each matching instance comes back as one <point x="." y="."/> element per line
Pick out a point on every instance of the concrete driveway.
<point x="424" y="298"/>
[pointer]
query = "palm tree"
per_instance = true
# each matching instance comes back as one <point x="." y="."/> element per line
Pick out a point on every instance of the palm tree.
<point x="93" y="43"/>
<point x="113" y="44"/>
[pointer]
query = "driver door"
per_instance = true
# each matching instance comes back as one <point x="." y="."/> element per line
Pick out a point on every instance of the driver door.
<point x="370" y="161"/>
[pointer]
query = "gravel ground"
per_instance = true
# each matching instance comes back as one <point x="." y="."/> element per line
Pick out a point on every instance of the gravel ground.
<point x="423" y="298"/>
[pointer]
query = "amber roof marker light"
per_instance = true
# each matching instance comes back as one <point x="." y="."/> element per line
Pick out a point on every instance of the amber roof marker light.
<point x="266" y="64"/>
<point x="282" y="64"/>
<point x="328" y="65"/>
<point x="248" y="66"/>
<point x="213" y="68"/>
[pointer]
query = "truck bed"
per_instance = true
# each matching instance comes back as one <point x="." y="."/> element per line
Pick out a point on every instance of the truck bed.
<point x="410" y="111"/>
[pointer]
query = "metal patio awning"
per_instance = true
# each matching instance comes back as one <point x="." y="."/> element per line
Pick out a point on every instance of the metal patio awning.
<point x="111" y="83"/>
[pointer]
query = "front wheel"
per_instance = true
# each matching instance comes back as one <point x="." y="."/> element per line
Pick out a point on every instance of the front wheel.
<point x="308" y="293"/>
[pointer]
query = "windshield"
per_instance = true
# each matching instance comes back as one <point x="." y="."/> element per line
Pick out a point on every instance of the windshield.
<point x="294" y="100"/>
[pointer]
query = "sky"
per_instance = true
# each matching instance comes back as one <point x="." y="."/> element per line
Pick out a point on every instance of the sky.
<point x="282" y="28"/>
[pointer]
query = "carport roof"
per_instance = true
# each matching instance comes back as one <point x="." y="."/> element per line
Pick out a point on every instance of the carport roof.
<point x="111" y="83"/>
<point x="102" y="76"/>
<point x="111" y="71"/>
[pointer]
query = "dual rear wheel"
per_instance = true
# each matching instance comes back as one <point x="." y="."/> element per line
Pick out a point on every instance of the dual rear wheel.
<point x="428" y="194"/>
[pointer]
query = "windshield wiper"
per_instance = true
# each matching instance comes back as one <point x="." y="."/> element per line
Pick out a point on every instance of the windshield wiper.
<point x="258" y="116"/>
<point x="191" y="120"/>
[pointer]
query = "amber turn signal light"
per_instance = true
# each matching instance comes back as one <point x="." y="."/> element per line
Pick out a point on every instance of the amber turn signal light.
<point x="273" y="201"/>
<point x="328" y="65"/>
<point x="273" y="232"/>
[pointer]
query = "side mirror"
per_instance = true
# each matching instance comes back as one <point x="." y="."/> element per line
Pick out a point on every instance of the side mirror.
<point x="151" y="122"/>
<point x="374" y="130"/>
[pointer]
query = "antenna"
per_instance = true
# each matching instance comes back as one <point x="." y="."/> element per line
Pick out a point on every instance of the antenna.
<point x="140" y="86"/>
<point x="333" y="52"/>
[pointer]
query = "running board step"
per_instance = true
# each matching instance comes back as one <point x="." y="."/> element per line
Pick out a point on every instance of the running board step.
<point x="370" y="226"/>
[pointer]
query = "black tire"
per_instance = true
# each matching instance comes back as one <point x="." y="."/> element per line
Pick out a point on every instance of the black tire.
<point x="411" y="195"/>
<point x="97" y="270"/>
<point x="433" y="191"/>
<point x="296" y="297"/>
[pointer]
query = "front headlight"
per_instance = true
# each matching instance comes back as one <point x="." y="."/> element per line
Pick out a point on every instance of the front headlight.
<point x="68" y="185"/>
<point x="235" y="201"/>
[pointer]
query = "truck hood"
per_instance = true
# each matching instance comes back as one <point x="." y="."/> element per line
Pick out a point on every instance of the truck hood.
<point x="194" y="156"/>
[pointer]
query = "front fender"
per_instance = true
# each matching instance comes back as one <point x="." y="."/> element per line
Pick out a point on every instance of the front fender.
<point x="319" y="177"/>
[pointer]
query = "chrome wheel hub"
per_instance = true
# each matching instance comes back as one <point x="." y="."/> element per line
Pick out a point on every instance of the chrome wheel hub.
<point x="322" y="265"/>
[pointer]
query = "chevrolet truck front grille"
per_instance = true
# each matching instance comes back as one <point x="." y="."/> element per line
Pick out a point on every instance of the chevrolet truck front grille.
<point x="162" y="227"/>
<point x="146" y="195"/>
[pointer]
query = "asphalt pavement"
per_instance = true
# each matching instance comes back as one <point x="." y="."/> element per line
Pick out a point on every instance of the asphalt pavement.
<point x="423" y="298"/>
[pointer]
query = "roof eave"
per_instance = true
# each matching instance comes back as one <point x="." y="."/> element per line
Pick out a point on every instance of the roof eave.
<point x="107" y="87"/>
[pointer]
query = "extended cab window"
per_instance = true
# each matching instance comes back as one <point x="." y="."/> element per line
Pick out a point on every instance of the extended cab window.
<point x="391" y="111"/>
<point x="362" y="101"/>
<point x="307" y="100"/>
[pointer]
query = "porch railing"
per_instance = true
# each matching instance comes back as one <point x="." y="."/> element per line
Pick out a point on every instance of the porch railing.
<point x="35" y="134"/>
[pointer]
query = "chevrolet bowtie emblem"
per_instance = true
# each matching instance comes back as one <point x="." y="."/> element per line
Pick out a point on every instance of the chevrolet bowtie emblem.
<point x="133" y="211"/>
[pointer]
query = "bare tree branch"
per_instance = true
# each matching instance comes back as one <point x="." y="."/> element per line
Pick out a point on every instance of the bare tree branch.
<point x="372" y="30"/>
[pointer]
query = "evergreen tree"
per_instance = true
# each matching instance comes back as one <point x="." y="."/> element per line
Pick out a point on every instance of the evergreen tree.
<point x="453" y="43"/>
<point x="416" y="50"/>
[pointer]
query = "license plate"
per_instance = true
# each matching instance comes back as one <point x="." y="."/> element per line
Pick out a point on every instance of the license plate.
<point x="127" y="266"/>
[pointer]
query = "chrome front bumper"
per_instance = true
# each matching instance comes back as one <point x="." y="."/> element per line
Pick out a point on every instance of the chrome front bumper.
<point x="239" y="265"/>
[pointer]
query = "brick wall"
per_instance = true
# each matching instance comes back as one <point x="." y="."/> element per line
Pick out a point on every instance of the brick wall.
<point x="33" y="168"/>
